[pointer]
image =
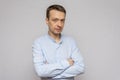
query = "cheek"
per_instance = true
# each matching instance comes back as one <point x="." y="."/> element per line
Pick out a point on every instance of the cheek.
<point x="51" y="26"/>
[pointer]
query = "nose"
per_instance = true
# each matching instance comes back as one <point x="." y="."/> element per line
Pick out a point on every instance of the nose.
<point x="60" y="23"/>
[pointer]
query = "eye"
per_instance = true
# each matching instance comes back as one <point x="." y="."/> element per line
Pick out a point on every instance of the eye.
<point x="55" y="20"/>
<point x="63" y="20"/>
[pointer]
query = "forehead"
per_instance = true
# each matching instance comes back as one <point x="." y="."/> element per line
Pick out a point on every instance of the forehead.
<point x="57" y="14"/>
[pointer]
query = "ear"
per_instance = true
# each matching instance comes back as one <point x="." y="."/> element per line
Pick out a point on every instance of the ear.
<point x="46" y="20"/>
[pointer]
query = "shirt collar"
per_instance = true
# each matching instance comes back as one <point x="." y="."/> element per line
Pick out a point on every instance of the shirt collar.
<point x="52" y="39"/>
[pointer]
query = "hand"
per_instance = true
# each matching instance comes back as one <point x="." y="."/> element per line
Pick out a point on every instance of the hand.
<point x="71" y="62"/>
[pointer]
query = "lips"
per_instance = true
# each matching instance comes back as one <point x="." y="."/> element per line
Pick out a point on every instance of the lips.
<point x="58" y="29"/>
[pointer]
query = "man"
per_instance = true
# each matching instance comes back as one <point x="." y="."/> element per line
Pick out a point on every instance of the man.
<point x="56" y="56"/>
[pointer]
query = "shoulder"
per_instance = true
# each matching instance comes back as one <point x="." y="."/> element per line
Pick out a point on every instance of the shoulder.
<point x="68" y="39"/>
<point x="40" y="39"/>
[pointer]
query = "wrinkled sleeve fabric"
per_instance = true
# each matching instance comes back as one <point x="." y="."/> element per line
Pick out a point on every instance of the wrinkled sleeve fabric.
<point x="44" y="69"/>
<point x="78" y="66"/>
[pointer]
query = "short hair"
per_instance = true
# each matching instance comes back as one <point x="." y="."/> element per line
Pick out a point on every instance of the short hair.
<point x="54" y="7"/>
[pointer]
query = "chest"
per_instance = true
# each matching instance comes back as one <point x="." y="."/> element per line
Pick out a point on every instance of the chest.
<point x="56" y="52"/>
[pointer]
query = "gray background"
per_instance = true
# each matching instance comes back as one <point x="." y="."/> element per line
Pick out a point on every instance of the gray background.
<point x="95" y="24"/>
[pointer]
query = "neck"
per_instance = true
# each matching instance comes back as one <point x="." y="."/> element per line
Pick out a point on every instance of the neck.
<point x="56" y="37"/>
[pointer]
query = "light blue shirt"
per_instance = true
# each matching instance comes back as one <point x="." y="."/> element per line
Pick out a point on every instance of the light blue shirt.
<point x="50" y="58"/>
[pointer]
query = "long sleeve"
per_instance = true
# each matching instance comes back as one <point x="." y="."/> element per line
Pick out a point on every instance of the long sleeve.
<point x="44" y="69"/>
<point x="78" y="66"/>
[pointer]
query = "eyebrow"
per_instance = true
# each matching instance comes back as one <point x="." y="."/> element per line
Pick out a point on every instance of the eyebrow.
<point x="57" y="19"/>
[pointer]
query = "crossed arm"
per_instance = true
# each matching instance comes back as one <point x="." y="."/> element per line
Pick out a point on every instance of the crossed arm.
<point x="76" y="68"/>
<point x="65" y="68"/>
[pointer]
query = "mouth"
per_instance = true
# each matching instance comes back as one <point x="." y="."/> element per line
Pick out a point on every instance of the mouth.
<point x="58" y="29"/>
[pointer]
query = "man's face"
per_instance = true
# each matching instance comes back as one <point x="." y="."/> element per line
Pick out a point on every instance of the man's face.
<point x="55" y="22"/>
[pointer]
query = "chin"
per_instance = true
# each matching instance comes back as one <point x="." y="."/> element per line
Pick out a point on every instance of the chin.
<point x="58" y="33"/>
